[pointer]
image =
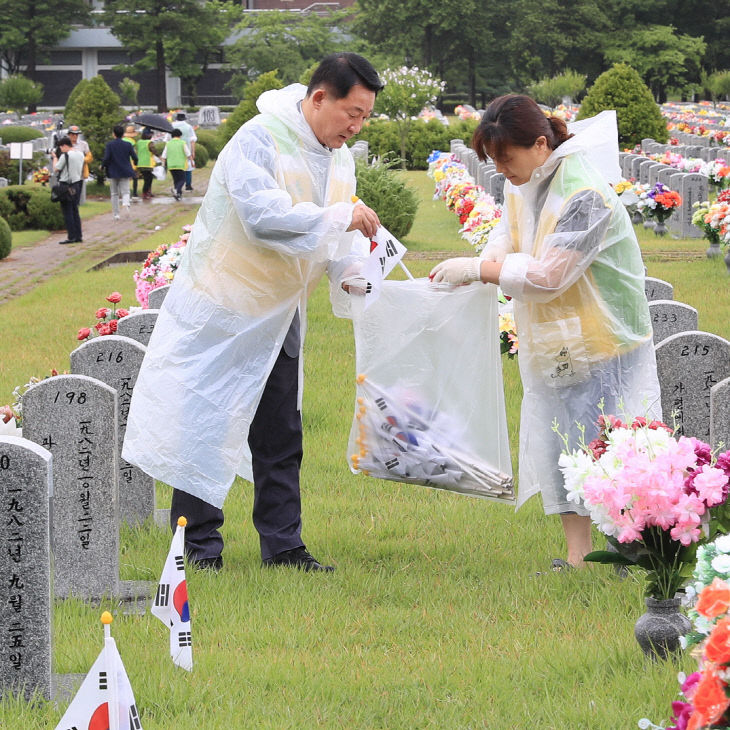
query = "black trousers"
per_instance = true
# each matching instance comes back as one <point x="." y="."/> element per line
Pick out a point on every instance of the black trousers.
<point x="147" y="178"/>
<point x="178" y="180"/>
<point x="71" y="217"/>
<point x="275" y="440"/>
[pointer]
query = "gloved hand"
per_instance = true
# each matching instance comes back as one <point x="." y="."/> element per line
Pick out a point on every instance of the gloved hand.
<point x="352" y="282"/>
<point x="456" y="271"/>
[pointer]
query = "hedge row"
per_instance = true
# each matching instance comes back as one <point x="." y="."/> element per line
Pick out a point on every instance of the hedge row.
<point x="423" y="137"/>
<point x="30" y="207"/>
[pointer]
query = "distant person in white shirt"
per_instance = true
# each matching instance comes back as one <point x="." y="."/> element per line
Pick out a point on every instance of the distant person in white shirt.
<point x="190" y="138"/>
<point x="68" y="164"/>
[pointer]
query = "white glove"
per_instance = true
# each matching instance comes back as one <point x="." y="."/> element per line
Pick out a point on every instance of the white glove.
<point x="352" y="281"/>
<point x="457" y="271"/>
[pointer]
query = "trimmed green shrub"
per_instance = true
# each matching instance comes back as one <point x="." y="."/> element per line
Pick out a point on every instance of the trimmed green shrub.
<point x="638" y="115"/>
<point x="247" y="109"/>
<point x="201" y="156"/>
<point x="6" y="239"/>
<point x="96" y="110"/>
<point x="13" y="133"/>
<point x="210" y="140"/>
<point x="381" y="189"/>
<point x="30" y="207"/>
<point x="18" y="92"/>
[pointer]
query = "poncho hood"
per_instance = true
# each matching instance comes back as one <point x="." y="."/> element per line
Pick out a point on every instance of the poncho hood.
<point x="596" y="139"/>
<point x="284" y="104"/>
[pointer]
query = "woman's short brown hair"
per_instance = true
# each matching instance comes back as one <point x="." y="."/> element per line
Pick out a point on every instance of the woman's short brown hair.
<point x="515" y="120"/>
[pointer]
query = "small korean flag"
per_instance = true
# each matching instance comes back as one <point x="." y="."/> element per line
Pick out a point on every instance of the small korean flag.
<point x="386" y="251"/>
<point x="105" y="700"/>
<point x="171" y="602"/>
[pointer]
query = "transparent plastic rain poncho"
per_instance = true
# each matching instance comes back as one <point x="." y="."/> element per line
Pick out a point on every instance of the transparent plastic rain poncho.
<point x="273" y="220"/>
<point x="572" y="264"/>
<point x="429" y="400"/>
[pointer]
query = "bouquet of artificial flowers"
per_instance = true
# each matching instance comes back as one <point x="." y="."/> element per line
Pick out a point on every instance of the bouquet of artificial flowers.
<point x="659" y="202"/>
<point x="106" y="317"/>
<point x="650" y="494"/>
<point x="714" y="218"/>
<point x="159" y="267"/>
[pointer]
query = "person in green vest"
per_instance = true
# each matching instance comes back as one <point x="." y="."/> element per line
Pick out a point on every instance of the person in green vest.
<point x="146" y="153"/>
<point x="129" y="136"/>
<point x="176" y="155"/>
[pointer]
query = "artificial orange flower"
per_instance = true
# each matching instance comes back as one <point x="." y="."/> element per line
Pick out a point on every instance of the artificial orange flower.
<point x="710" y="699"/>
<point x="714" y="599"/>
<point x="717" y="648"/>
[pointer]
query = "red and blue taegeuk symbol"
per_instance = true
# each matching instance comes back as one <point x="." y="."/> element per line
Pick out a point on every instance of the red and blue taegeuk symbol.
<point x="180" y="601"/>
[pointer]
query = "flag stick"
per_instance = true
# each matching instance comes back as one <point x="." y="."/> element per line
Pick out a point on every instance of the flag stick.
<point x="111" y="672"/>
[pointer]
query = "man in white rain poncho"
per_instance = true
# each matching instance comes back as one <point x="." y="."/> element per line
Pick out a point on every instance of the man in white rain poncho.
<point x="566" y="252"/>
<point x="218" y="392"/>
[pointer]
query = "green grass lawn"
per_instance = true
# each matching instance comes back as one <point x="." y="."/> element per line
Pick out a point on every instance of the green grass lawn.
<point x="436" y="616"/>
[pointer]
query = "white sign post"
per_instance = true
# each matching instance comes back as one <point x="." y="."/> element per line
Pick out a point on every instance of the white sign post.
<point x="21" y="151"/>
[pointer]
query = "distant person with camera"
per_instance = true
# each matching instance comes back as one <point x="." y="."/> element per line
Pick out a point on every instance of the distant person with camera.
<point x="68" y="166"/>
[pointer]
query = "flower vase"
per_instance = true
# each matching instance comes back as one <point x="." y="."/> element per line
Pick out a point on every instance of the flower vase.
<point x="727" y="260"/>
<point x="649" y="223"/>
<point x="660" y="229"/>
<point x="714" y="251"/>
<point x="658" y="630"/>
<point x="636" y="217"/>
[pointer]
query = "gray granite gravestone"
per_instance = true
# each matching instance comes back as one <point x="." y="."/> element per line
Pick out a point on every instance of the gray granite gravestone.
<point x="116" y="360"/>
<point x="695" y="188"/>
<point x="209" y="117"/>
<point x="636" y="163"/>
<point x="688" y="365"/>
<point x="455" y="143"/>
<point x="657" y="289"/>
<point x="496" y="188"/>
<point x="75" y="418"/>
<point x="669" y="317"/>
<point x="720" y="415"/>
<point x="157" y="296"/>
<point x="25" y="565"/>
<point x="644" y="167"/>
<point x="139" y="325"/>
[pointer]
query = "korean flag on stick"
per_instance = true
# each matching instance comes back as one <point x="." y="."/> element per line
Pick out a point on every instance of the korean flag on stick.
<point x="171" y="602"/>
<point x="386" y="251"/>
<point x="105" y="700"/>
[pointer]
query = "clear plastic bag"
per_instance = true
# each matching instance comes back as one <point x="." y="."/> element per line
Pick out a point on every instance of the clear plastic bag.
<point x="429" y="397"/>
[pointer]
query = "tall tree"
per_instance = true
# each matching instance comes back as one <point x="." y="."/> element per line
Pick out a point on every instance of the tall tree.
<point x="30" y="28"/>
<point x="156" y="30"/>
<point x="663" y="58"/>
<point x="285" y="41"/>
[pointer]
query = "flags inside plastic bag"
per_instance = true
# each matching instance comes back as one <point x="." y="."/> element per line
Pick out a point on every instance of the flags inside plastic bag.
<point x="429" y="400"/>
<point x="171" y="602"/>
<point x="385" y="253"/>
<point x="106" y="689"/>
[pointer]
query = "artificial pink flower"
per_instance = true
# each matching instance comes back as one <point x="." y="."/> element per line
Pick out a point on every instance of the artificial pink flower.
<point x="101" y="313"/>
<point x="84" y="332"/>
<point x="115" y="297"/>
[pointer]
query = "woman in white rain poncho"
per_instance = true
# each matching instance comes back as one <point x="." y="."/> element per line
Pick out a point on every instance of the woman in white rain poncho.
<point x="566" y="252"/>
<point x="278" y="213"/>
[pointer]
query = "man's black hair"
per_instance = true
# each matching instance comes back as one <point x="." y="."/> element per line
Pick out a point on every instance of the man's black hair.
<point x="176" y="132"/>
<point x="118" y="131"/>
<point x="65" y="140"/>
<point x="339" y="72"/>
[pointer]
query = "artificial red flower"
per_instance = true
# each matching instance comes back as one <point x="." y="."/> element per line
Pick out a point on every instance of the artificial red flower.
<point x="115" y="297"/>
<point x="122" y="313"/>
<point x="710" y="700"/>
<point x="101" y="313"/>
<point x="714" y="599"/>
<point x="113" y="326"/>
<point x="84" y="332"/>
<point x="717" y="648"/>
<point x="105" y="329"/>
<point x="6" y="413"/>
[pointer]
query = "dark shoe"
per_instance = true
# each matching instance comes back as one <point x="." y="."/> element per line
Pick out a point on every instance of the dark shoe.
<point x="298" y="558"/>
<point x="187" y="188"/>
<point x="214" y="564"/>
<point x="561" y="566"/>
<point x="68" y="240"/>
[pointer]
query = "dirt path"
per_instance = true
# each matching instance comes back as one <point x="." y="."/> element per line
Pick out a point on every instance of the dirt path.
<point x="28" y="266"/>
